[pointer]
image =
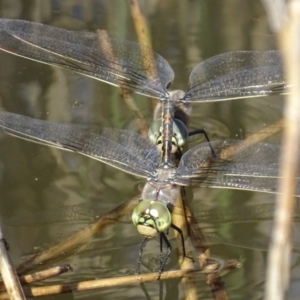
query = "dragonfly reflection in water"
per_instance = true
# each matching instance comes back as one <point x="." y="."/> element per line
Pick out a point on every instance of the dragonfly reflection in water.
<point x="236" y="164"/>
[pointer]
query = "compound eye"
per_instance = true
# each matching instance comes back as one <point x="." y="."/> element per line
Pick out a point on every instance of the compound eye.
<point x="154" y="131"/>
<point x="151" y="218"/>
<point x="180" y="132"/>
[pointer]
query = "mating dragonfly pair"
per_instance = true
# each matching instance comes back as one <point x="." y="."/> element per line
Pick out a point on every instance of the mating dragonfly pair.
<point x="229" y="164"/>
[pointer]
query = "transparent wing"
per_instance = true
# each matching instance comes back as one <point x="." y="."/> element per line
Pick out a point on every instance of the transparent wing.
<point x="68" y="214"/>
<point x="118" y="62"/>
<point x="240" y="214"/>
<point x="237" y="165"/>
<point x="122" y="149"/>
<point x="235" y="75"/>
<point x="88" y="212"/>
<point x="85" y="213"/>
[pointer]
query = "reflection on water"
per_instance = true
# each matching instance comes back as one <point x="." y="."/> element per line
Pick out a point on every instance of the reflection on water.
<point x="50" y="183"/>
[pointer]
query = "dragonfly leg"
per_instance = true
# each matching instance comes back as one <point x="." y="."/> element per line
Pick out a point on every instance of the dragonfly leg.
<point x="182" y="241"/>
<point x="202" y="131"/>
<point x="163" y="260"/>
<point x="142" y="247"/>
<point x="161" y="247"/>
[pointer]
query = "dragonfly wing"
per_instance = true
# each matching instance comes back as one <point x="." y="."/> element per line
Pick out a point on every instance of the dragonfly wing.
<point x="237" y="165"/>
<point x="82" y="213"/>
<point x="118" y="62"/>
<point x="239" y="74"/>
<point x="87" y="212"/>
<point x="122" y="149"/>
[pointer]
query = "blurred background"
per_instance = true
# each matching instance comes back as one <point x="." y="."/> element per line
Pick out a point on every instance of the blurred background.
<point x="41" y="186"/>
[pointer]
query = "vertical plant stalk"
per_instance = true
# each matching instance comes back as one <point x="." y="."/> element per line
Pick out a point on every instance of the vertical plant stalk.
<point x="126" y="95"/>
<point x="143" y="34"/>
<point x="287" y="21"/>
<point x="10" y="279"/>
<point x="189" y="282"/>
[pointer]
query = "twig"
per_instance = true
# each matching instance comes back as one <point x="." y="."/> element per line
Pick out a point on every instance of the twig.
<point x="45" y="274"/>
<point x="119" y="281"/>
<point x="253" y="139"/>
<point x="42" y="275"/>
<point x="10" y="279"/>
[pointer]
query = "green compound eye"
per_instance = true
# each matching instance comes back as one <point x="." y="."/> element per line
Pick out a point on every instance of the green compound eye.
<point x="151" y="218"/>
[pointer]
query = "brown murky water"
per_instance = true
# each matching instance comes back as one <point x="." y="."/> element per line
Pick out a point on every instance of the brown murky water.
<point x="36" y="179"/>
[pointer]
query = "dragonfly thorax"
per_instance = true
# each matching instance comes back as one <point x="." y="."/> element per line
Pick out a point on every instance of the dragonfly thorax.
<point x="176" y="95"/>
<point x="162" y="191"/>
<point x="151" y="217"/>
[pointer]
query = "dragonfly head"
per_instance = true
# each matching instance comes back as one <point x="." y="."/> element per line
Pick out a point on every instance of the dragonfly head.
<point x="180" y="134"/>
<point x="151" y="217"/>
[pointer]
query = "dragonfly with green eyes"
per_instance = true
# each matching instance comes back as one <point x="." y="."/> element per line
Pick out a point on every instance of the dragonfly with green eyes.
<point x="235" y="164"/>
<point x="231" y="164"/>
<point x="232" y="75"/>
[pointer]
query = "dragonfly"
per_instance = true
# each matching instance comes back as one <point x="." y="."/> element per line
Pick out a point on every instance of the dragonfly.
<point x="134" y="67"/>
<point x="235" y="164"/>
